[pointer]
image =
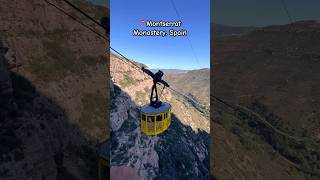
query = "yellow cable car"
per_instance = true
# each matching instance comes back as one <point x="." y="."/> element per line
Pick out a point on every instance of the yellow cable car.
<point x="155" y="117"/>
<point x="155" y="120"/>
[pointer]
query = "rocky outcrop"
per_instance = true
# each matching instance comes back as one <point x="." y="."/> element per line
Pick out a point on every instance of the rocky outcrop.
<point x="120" y="113"/>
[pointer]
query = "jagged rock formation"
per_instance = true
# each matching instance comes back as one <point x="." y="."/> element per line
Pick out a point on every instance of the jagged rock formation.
<point x="180" y="152"/>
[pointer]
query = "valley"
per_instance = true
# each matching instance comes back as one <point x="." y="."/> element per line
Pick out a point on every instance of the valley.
<point x="270" y="76"/>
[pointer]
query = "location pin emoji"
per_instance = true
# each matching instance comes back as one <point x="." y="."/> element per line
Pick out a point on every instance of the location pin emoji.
<point x="142" y="21"/>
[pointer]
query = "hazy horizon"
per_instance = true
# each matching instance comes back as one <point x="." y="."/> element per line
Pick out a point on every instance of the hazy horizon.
<point x="262" y="13"/>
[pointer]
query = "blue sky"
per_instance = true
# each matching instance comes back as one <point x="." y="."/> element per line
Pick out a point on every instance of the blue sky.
<point x="162" y="52"/>
<point x="263" y="13"/>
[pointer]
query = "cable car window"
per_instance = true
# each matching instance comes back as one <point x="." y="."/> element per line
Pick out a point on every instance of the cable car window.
<point x="143" y="117"/>
<point x="159" y="118"/>
<point x="150" y="118"/>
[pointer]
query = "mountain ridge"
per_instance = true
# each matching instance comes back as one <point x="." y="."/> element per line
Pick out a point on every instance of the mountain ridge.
<point x="227" y="30"/>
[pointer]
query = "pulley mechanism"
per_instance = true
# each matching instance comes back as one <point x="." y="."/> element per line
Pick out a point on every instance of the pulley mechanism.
<point x="157" y="78"/>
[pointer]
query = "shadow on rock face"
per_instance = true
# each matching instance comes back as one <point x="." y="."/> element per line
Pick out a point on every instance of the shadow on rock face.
<point x="36" y="139"/>
<point x="188" y="152"/>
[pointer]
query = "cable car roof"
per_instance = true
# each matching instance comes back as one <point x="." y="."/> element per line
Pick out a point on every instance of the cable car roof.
<point x="147" y="109"/>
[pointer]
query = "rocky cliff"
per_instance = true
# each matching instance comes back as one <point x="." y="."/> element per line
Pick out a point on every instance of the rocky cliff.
<point x="36" y="138"/>
<point x="180" y="152"/>
<point x="55" y="113"/>
<point x="63" y="59"/>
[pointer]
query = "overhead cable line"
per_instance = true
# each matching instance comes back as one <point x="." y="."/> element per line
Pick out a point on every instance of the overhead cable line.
<point x="193" y="52"/>
<point x="88" y="27"/>
<point x="248" y="111"/>
<point x="189" y="41"/>
<point x="127" y="60"/>
<point x="101" y="36"/>
<point x="185" y="96"/>
<point x="75" y="19"/>
<point x="285" y="7"/>
<point x="84" y="14"/>
<point x="99" y="24"/>
<point x="220" y="100"/>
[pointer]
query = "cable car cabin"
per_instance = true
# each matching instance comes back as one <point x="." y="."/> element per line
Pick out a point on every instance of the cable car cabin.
<point x="155" y="120"/>
<point x="155" y="117"/>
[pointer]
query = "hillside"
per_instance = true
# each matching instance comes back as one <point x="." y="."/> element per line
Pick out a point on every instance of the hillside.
<point x="189" y="83"/>
<point x="155" y="157"/>
<point x="271" y="75"/>
<point x="60" y="90"/>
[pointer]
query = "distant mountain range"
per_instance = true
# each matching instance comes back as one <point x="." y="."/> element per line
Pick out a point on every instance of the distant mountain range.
<point x="170" y="71"/>
<point x="219" y="29"/>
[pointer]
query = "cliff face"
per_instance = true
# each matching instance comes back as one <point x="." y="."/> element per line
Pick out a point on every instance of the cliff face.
<point x="55" y="110"/>
<point x="36" y="138"/>
<point x="63" y="59"/>
<point x="180" y="152"/>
